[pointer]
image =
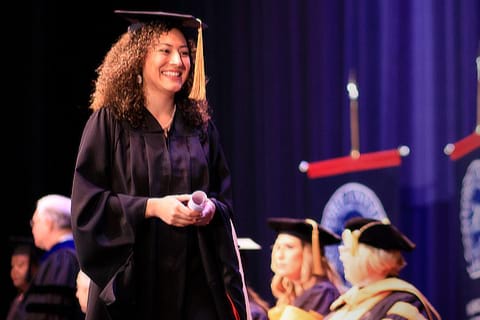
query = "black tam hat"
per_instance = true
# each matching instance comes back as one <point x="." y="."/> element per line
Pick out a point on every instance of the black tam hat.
<point x="378" y="234"/>
<point x="303" y="229"/>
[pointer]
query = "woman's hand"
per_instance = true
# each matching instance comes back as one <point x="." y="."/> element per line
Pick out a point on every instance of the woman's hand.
<point x="207" y="213"/>
<point x="174" y="211"/>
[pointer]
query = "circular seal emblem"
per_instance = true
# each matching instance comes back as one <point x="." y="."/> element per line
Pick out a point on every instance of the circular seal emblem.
<point x="349" y="200"/>
<point x="470" y="218"/>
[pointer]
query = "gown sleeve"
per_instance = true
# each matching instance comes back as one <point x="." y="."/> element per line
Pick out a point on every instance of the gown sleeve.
<point x="224" y="230"/>
<point x="103" y="222"/>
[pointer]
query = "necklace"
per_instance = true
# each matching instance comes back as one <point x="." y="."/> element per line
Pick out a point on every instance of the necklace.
<point x="166" y="128"/>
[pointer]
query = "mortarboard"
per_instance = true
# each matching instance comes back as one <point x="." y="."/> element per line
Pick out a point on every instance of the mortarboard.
<point x="22" y="245"/>
<point x="302" y="228"/>
<point x="376" y="233"/>
<point x="138" y="18"/>
<point x="248" y="244"/>
<point x="25" y="245"/>
<point x="308" y="230"/>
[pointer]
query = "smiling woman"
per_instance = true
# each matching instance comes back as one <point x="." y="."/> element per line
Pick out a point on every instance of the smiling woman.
<point x="147" y="146"/>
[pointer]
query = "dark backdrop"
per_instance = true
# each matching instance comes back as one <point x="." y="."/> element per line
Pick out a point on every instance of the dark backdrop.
<point x="278" y="71"/>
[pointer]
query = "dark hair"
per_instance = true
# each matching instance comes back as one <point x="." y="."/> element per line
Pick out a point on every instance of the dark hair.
<point x="33" y="257"/>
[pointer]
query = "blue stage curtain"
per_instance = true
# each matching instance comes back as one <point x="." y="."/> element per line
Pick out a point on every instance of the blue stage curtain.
<point x="277" y="75"/>
<point x="282" y="99"/>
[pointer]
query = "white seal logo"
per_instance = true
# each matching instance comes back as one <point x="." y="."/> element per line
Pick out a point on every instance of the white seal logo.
<point x="470" y="218"/>
<point x="349" y="200"/>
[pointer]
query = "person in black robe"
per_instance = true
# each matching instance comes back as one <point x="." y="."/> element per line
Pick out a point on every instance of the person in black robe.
<point x="24" y="265"/>
<point x="258" y="306"/>
<point x="303" y="277"/>
<point x="51" y="294"/>
<point x="372" y="260"/>
<point x="148" y="145"/>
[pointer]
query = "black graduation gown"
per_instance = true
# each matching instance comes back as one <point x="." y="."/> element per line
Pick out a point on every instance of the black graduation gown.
<point x="51" y="294"/>
<point x="143" y="268"/>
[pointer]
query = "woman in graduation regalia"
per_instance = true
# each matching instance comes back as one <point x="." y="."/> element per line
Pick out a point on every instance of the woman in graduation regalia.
<point x="147" y="146"/>
<point x="304" y="283"/>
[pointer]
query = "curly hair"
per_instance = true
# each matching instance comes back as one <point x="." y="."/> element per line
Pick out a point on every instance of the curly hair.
<point x="117" y="86"/>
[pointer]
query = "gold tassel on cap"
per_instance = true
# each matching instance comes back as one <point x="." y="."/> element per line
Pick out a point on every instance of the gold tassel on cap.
<point x="317" y="269"/>
<point x="199" y="82"/>
<point x="355" y="234"/>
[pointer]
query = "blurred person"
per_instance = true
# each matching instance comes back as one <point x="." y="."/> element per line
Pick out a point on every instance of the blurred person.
<point x="258" y="306"/>
<point x="24" y="265"/>
<point x="371" y="254"/>
<point x="304" y="282"/>
<point x="83" y="283"/>
<point x="147" y="147"/>
<point x="51" y="295"/>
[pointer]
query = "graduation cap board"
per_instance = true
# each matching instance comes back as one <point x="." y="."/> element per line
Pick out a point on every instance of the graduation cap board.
<point x="186" y="20"/>
<point x="248" y="244"/>
<point x="139" y="18"/>
<point x="303" y="229"/>
<point x="308" y="230"/>
<point x="375" y="233"/>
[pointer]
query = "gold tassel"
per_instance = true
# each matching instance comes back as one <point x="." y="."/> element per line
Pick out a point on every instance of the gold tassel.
<point x="198" y="87"/>
<point x="355" y="236"/>
<point x="317" y="269"/>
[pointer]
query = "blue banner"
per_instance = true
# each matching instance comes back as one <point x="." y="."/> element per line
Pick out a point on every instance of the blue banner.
<point x="467" y="170"/>
<point x="370" y="193"/>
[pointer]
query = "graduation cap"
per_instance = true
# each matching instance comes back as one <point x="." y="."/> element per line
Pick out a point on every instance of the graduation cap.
<point x="379" y="234"/>
<point x="248" y="244"/>
<point x="309" y="231"/>
<point x="303" y="229"/>
<point x="22" y="245"/>
<point x="140" y="18"/>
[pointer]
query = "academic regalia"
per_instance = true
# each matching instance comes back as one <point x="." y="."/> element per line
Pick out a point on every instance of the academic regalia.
<point x="51" y="295"/>
<point x="318" y="298"/>
<point x="389" y="298"/>
<point x="15" y="307"/>
<point x="22" y="246"/>
<point x="257" y="312"/>
<point x="143" y="268"/>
